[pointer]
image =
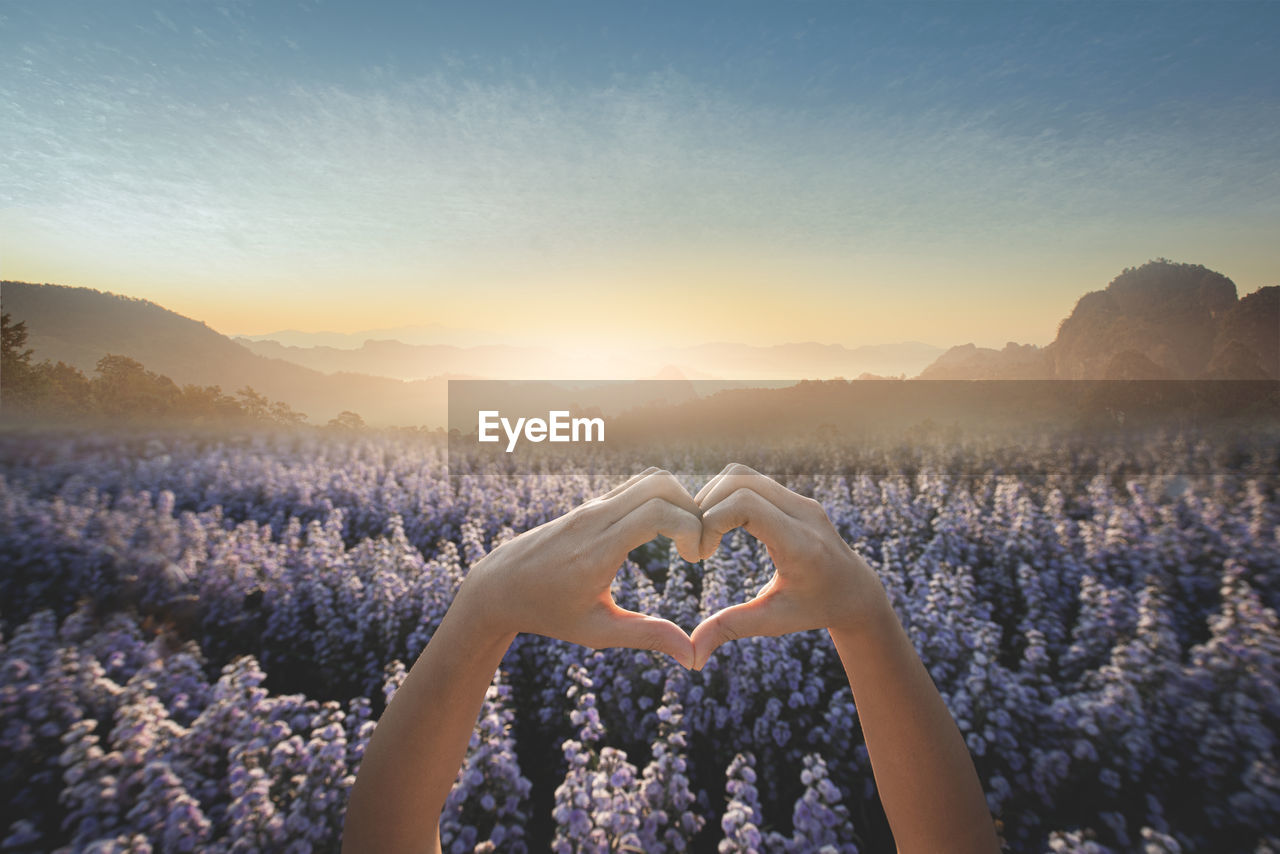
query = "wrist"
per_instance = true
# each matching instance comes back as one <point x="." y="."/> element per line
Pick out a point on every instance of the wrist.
<point x="863" y="604"/>
<point x="477" y="608"/>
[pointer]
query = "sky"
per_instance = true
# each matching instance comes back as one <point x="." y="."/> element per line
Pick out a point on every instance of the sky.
<point x="614" y="174"/>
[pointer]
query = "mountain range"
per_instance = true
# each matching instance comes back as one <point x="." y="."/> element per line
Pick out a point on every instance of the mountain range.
<point x="432" y="333"/>
<point x="699" y="362"/>
<point x="1162" y="320"/>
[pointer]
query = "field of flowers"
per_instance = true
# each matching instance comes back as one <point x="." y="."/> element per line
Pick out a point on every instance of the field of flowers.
<point x="197" y="634"/>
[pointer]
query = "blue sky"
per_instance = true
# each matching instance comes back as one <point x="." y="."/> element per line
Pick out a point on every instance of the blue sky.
<point x="763" y="172"/>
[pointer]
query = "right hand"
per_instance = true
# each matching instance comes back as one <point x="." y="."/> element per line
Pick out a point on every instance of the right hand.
<point x="819" y="581"/>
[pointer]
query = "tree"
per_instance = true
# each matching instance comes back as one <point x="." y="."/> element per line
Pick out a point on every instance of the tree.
<point x="207" y="403"/>
<point x="253" y="404"/>
<point x="283" y="413"/>
<point x="347" y="420"/>
<point x="123" y="388"/>
<point x="15" y="362"/>
<point x="61" y="390"/>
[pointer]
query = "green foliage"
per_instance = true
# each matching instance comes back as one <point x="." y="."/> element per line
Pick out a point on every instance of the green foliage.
<point x="15" y="361"/>
<point x="208" y="403"/>
<point x="347" y="421"/>
<point x="282" y="413"/>
<point x="123" y="390"/>
<point x="61" y="390"/>
<point x="253" y="404"/>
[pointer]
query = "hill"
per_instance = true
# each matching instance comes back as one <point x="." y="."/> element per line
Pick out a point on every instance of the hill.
<point x="81" y="325"/>
<point x="703" y="361"/>
<point x="1160" y="321"/>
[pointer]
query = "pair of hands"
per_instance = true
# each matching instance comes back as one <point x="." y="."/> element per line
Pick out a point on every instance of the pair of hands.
<point x="555" y="579"/>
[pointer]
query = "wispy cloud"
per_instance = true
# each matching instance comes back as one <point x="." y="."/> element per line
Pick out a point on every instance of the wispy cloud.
<point x="438" y="169"/>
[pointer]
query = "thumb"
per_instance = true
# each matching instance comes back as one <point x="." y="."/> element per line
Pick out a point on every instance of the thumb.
<point x="736" y="621"/>
<point x="640" y="631"/>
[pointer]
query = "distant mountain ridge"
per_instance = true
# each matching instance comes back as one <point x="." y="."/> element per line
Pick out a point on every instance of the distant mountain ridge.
<point x="417" y="361"/>
<point x="702" y="361"/>
<point x="1163" y="320"/>
<point x="807" y="360"/>
<point x="432" y="333"/>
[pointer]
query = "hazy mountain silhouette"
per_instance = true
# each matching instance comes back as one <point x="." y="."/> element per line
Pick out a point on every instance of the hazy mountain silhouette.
<point x="1162" y="320"/>
<point x="703" y="361"/>
<point x="418" y="361"/>
<point x="81" y="325"/>
<point x="431" y="333"/>
<point x="800" y="361"/>
<point x="969" y="362"/>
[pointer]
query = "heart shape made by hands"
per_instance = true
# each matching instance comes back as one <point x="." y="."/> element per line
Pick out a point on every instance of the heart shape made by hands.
<point x="558" y="578"/>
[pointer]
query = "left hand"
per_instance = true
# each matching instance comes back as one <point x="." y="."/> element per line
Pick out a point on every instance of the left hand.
<point x="555" y="580"/>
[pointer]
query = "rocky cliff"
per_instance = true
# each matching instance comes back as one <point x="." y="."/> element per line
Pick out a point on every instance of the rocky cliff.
<point x="1163" y="320"/>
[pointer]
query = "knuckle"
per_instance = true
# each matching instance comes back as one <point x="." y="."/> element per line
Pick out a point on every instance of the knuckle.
<point x="580" y="517"/>
<point x="656" y="479"/>
<point x="654" y="507"/>
<point x="668" y="481"/>
<point x="649" y="641"/>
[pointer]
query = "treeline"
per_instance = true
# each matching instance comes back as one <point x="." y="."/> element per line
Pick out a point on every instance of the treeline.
<point x="123" y="390"/>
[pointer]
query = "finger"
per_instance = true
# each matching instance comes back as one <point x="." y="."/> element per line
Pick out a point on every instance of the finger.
<point x="657" y="516"/>
<point x="737" y="621"/>
<point x="731" y="468"/>
<point x="598" y="510"/>
<point x="658" y="484"/>
<point x="739" y="476"/>
<point x="628" y="482"/>
<point x="711" y="483"/>
<point x="620" y="627"/>
<point x="747" y="509"/>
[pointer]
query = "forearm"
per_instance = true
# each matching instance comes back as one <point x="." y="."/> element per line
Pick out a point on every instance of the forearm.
<point x="413" y="757"/>
<point x="923" y="771"/>
<point x="553" y="580"/>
